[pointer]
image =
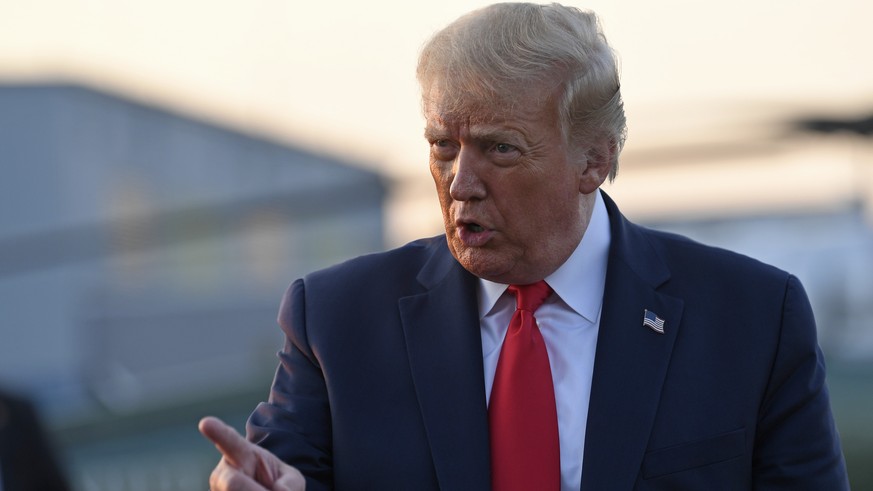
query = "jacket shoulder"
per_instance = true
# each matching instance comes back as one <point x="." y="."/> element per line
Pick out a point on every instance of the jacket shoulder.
<point x="685" y="253"/>
<point x="393" y="269"/>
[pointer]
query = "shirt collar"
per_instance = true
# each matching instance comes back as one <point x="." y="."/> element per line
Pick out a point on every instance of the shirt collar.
<point x="580" y="281"/>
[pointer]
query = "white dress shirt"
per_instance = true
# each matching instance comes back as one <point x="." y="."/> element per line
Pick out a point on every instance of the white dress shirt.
<point x="568" y="320"/>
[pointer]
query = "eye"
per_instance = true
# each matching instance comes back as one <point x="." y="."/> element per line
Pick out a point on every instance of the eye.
<point x="503" y="154"/>
<point x="504" y="148"/>
<point x="443" y="149"/>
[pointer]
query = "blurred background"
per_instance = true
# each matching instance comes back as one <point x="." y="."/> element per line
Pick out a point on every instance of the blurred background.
<point x="168" y="167"/>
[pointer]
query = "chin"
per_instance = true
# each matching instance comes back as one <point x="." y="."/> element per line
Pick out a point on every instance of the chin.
<point x="470" y="259"/>
<point x="483" y="267"/>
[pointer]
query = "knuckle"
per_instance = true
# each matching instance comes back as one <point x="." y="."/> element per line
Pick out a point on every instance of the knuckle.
<point x="221" y="477"/>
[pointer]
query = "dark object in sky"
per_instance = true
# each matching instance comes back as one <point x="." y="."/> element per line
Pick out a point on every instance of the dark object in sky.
<point x="862" y="126"/>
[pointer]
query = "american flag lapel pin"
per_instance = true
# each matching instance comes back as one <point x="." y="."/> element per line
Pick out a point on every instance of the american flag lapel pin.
<point x="653" y="322"/>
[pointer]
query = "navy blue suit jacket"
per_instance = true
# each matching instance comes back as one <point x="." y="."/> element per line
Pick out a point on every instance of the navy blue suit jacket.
<point x="380" y="384"/>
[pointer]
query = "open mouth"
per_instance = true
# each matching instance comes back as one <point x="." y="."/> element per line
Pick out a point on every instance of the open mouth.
<point x="473" y="234"/>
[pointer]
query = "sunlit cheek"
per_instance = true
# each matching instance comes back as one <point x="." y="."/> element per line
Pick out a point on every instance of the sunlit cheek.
<point x="436" y="172"/>
<point x="442" y="174"/>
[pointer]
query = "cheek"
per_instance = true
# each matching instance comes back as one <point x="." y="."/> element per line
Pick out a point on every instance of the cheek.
<point x="441" y="176"/>
<point x="441" y="183"/>
<point x="535" y="216"/>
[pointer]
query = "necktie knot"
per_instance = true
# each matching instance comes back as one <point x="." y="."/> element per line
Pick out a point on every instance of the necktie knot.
<point x="531" y="296"/>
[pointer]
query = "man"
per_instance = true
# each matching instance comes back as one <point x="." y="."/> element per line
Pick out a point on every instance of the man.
<point x="669" y="365"/>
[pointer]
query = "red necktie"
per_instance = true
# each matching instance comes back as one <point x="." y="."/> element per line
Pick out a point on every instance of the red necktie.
<point x="525" y="453"/>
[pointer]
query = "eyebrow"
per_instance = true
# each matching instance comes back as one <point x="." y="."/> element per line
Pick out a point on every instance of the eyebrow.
<point x="480" y="133"/>
<point x="495" y="134"/>
<point x="434" y="133"/>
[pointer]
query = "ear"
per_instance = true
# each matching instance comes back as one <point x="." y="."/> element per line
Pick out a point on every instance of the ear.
<point x="599" y="158"/>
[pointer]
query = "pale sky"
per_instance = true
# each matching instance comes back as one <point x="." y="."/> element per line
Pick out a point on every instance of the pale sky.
<point x="339" y="76"/>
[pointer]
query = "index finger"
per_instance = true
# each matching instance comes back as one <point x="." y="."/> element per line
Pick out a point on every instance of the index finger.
<point x="230" y="443"/>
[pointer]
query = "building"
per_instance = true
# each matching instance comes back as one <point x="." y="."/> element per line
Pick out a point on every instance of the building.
<point x="143" y="255"/>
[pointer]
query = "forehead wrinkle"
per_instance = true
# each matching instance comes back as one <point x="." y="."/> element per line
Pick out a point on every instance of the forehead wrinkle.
<point x="489" y="132"/>
<point x="488" y="121"/>
<point x="492" y="132"/>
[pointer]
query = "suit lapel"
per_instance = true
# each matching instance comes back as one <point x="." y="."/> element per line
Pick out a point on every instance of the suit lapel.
<point x="444" y="345"/>
<point x="631" y="360"/>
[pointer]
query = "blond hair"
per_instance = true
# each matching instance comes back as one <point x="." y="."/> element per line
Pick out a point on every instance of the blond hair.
<point x="491" y="52"/>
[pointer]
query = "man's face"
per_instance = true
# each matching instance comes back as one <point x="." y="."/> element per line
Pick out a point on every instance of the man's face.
<point x="515" y="198"/>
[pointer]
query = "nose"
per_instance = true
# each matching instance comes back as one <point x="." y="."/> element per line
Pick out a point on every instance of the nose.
<point x="467" y="181"/>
